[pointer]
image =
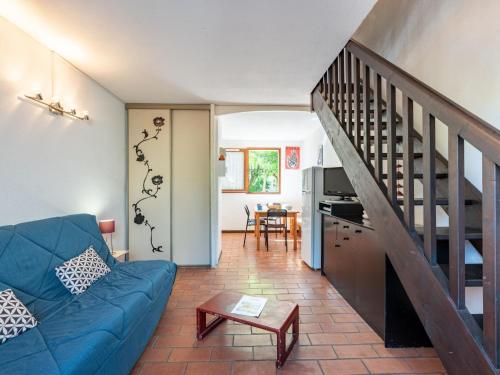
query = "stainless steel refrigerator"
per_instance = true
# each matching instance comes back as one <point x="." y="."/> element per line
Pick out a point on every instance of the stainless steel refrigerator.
<point x="312" y="193"/>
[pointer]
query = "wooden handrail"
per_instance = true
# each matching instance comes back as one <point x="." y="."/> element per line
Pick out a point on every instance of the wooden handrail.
<point x="471" y="128"/>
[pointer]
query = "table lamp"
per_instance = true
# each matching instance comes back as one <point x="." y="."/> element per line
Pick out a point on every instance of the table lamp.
<point x="108" y="227"/>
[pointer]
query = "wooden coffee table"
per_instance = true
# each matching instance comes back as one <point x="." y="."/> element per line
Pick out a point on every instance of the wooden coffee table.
<point x="276" y="317"/>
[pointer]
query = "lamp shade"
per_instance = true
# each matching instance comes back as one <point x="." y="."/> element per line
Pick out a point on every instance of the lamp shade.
<point x="107" y="226"/>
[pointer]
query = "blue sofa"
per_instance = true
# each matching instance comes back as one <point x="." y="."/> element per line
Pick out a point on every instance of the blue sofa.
<point x="101" y="331"/>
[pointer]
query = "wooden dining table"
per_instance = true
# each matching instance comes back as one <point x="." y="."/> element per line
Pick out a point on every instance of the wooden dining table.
<point x="291" y="214"/>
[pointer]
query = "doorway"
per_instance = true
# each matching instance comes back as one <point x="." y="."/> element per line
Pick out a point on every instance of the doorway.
<point x="263" y="155"/>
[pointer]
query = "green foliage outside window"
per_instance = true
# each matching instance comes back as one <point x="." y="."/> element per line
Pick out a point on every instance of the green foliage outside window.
<point x="263" y="171"/>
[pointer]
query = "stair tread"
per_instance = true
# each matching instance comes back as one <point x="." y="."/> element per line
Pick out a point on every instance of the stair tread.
<point x="442" y="233"/>
<point x="399" y="138"/>
<point x="399" y="175"/>
<point x="439" y="201"/>
<point x="473" y="273"/>
<point x="399" y="155"/>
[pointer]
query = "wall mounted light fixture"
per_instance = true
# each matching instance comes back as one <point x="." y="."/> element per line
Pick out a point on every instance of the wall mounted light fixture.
<point x="55" y="106"/>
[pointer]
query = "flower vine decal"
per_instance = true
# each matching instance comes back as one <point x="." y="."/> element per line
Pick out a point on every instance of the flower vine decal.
<point x="156" y="181"/>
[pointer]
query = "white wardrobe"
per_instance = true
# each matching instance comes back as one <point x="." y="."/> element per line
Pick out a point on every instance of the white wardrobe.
<point x="169" y="184"/>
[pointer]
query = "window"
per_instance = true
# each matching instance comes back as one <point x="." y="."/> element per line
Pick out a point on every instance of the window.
<point x="263" y="171"/>
<point x="235" y="179"/>
<point x="253" y="171"/>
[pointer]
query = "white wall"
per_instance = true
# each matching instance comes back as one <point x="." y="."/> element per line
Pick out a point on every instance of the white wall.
<point x="52" y="165"/>
<point x="451" y="45"/>
<point x="232" y="211"/>
<point x="311" y="147"/>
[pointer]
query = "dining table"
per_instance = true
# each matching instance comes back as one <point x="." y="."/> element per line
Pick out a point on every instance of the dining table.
<point x="261" y="212"/>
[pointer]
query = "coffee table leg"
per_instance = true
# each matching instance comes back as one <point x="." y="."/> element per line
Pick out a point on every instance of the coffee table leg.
<point x="283" y="352"/>
<point x="201" y="324"/>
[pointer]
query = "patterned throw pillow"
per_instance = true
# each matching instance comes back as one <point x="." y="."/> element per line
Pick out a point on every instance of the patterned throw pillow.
<point x="78" y="273"/>
<point x="14" y="316"/>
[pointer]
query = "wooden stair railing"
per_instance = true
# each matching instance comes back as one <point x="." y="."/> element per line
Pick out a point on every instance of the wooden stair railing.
<point x="352" y="98"/>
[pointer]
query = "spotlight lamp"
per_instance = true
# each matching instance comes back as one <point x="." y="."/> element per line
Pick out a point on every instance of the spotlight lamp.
<point x="55" y="106"/>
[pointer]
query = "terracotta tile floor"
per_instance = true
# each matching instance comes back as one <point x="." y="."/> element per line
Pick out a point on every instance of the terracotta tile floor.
<point x="333" y="339"/>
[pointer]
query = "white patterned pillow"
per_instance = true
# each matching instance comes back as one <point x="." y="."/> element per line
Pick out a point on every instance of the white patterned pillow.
<point x="80" y="272"/>
<point x="14" y="316"/>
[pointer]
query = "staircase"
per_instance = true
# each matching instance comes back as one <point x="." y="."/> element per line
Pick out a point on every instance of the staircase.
<point x="370" y="110"/>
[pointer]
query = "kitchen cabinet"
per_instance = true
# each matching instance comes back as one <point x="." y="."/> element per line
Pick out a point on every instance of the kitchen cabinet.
<point x="358" y="268"/>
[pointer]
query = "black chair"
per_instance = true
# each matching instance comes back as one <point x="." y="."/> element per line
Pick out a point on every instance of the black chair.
<point x="280" y="214"/>
<point x="275" y="220"/>
<point x="250" y="223"/>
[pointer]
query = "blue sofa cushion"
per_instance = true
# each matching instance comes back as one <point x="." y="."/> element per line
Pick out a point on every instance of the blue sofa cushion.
<point x="27" y="354"/>
<point x="81" y="342"/>
<point x="29" y="252"/>
<point x="82" y="334"/>
<point x="159" y="273"/>
<point x="78" y="334"/>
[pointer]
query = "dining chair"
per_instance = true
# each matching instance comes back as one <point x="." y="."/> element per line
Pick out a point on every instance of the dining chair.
<point x="275" y="213"/>
<point x="250" y="223"/>
<point x="275" y="220"/>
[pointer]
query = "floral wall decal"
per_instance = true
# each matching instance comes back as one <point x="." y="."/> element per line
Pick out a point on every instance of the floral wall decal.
<point x="150" y="185"/>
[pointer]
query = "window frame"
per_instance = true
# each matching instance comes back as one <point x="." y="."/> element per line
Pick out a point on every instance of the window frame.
<point x="246" y="169"/>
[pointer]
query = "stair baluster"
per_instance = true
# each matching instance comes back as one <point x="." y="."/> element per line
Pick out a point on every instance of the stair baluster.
<point x="330" y="86"/>
<point x="366" y="114"/>
<point x="391" y="144"/>
<point x="348" y="77"/>
<point x="378" y="129"/>
<point x="491" y="259"/>
<point x="335" y="77"/>
<point x="342" y="88"/>
<point x="429" y="147"/>
<point x="408" y="164"/>
<point x="357" y="103"/>
<point x="326" y="86"/>
<point x="456" y="212"/>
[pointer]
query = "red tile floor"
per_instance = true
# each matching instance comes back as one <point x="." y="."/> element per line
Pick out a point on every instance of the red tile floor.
<point x="333" y="340"/>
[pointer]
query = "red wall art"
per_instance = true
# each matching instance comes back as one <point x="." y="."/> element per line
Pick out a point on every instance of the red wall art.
<point x="292" y="157"/>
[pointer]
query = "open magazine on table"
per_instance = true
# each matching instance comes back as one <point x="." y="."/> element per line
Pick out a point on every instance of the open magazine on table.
<point x="249" y="306"/>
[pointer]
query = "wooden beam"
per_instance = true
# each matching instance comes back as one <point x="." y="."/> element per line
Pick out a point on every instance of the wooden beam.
<point x="330" y="86"/>
<point x="491" y="259"/>
<point x="335" y="87"/>
<point x="456" y="212"/>
<point x="342" y="88"/>
<point x="348" y="70"/>
<point x="327" y="86"/>
<point x="408" y="166"/>
<point x="429" y="149"/>
<point x="357" y="103"/>
<point x="392" y="193"/>
<point x="366" y="112"/>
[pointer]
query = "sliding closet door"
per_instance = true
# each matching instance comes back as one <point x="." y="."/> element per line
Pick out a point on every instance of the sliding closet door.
<point x="149" y="134"/>
<point x="191" y="187"/>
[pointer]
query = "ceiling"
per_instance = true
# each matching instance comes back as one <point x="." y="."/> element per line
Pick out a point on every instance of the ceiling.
<point x="268" y="126"/>
<point x="195" y="51"/>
